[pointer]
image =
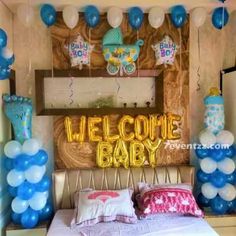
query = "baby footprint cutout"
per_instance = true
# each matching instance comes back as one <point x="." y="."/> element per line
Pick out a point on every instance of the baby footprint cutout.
<point x="19" y="111"/>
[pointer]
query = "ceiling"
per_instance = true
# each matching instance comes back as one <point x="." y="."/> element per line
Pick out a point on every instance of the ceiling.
<point x="104" y="4"/>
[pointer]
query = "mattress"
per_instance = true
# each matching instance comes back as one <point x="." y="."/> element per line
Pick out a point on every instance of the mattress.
<point x="162" y="224"/>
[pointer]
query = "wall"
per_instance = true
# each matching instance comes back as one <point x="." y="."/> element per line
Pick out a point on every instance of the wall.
<point x="6" y="24"/>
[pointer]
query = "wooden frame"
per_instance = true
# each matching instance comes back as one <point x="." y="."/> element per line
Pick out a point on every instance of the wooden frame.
<point x="40" y="97"/>
<point x="222" y="73"/>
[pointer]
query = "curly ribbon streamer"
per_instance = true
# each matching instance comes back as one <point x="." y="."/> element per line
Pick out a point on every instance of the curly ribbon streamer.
<point x="199" y="61"/>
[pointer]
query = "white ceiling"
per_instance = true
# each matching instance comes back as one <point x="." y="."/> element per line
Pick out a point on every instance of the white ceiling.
<point x="104" y="4"/>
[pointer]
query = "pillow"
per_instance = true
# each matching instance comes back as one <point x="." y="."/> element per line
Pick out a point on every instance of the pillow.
<point x="167" y="198"/>
<point x="94" y="206"/>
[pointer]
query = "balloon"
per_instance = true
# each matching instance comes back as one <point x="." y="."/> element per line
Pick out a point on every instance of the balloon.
<point x="92" y="129"/>
<point x="48" y="14"/>
<point x="104" y="154"/>
<point x="231" y="206"/>
<point x="38" y="201"/>
<point x="156" y="17"/>
<point x="225" y="137"/>
<point x="218" y="179"/>
<point x="4" y="72"/>
<point x="202" y="201"/>
<point x="35" y="173"/>
<point x="218" y="205"/>
<point x="122" y="128"/>
<point x="15" y="178"/>
<point x="206" y="138"/>
<point x="40" y="158"/>
<point x="92" y="16"/>
<point x="228" y="192"/>
<point x="220" y="17"/>
<point x="230" y="152"/>
<point x="217" y="154"/>
<point x="106" y="131"/>
<point x="8" y="164"/>
<point x="22" y="162"/>
<point x="208" y="165"/>
<point x="12" y="149"/>
<point x="203" y="177"/>
<point x="172" y="127"/>
<point x="15" y="218"/>
<point x="25" y="14"/>
<point x="199" y="16"/>
<point x="141" y="127"/>
<point x="114" y="17"/>
<point x="12" y="191"/>
<point x="8" y="55"/>
<point x="70" y="16"/>
<point x="46" y="212"/>
<point x="26" y="190"/>
<point x="29" y="219"/>
<point x="231" y="178"/>
<point x="31" y="146"/>
<point x="137" y="156"/>
<point x="209" y="191"/>
<point x="120" y="155"/>
<point x="202" y="152"/>
<point x="18" y="205"/>
<point x="44" y="184"/>
<point x="3" y="38"/>
<point x="227" y="166"/>
<point x="135" y="17"/>
<point x="178" y="16"/>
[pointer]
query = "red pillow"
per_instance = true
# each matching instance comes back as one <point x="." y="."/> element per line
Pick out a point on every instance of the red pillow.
<point x="168" y="199"/>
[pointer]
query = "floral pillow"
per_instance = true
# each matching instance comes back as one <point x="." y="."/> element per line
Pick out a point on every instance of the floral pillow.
<point x="94" y="206"/>
<point x="167" y="199"/>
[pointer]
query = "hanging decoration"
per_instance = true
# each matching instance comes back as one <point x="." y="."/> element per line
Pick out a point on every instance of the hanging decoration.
<point x="114" y="17"/>
<point x="48" y="14"/>
<point x="220" y="17"/>
<point x="135" y="17"/>
<point x="70" y="16"/>
<point x="178" y="15"/>
<point x="120" y="57"/>
<point x="156" y="17"/>
<point x="165" y="51"/>
<point x="25" y="14"/>
<point x="92" y="16"/>
<point x="199" y="16"/>
<point x="79" y="51"/>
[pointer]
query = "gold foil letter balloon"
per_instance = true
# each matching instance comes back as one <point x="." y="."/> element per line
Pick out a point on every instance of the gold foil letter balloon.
<point x="172" y="127"/>
<point x="104" y="154"/>
<point x="137" y="156"/>
<point x="122" y="128"/>
<point x="141" y="127"/>
<point x="92" y="129"/>
<point x="120" y="155"/>
<point x="106" y="131"/>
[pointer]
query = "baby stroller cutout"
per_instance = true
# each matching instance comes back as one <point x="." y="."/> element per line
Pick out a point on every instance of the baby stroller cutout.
<point x="119" y="56"/>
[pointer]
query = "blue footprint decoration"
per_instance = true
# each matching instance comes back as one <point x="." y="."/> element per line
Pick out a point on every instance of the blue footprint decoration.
<point x="19" y="111"/>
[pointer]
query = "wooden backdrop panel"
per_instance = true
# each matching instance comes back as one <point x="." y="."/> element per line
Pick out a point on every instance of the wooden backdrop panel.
<point x="176" y="83"/>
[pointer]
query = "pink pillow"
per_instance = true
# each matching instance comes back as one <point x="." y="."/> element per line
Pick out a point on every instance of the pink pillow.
<point x="94" y="206"/>
<point x="167" y="199"/>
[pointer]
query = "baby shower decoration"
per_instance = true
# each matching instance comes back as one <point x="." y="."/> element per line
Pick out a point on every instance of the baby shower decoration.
<point x="165" y="51"/>
<point x="217" y="168"/>
<point x="120" y="57"/>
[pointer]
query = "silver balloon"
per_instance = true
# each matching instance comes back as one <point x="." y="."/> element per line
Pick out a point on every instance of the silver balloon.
<point x="70" y="16"/>
<point x="199" y="16"/>
<point x="156" y="17"/>
<point x="25" y="14"/>
<point x="114" y="17"/>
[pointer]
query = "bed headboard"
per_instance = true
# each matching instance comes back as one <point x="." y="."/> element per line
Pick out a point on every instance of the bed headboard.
<point x="67" y="182"/>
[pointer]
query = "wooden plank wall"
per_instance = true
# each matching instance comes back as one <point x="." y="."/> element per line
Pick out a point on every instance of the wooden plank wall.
<point x="176" y="83"/>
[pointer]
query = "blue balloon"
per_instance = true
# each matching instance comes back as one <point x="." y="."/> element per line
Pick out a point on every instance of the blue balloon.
<point x="3" y="38"/>
<point x="40" y="158"/>
<point x="26" y="190"/>
<point x="44" y="185"/>
<point x="48" y="14"/>
<point x="220" y="17"/>
<point x="5" y="72"/>
<point x="29" y="218"/>
<point x="135" y="17"/>
<point x="217" y="154"/>
<point x="12" y="191"/>
<point x="232" y="206"/>
<point x="218" y="205"/>
<point x="46" y="212"/>
<point x="16" y="218"/>
<point x="8" y="163"/>
<point x="231" y="178"/>
<point x="230" y="152"/>
<point x="202" y="176"/>
<point x="203" y="201"/>
<point x="178" y="15"/>
<point x="218" y="179"/>
<point x="202" y="152"/>
<point x="92" y="16"/>
<point x="22" y="162"/>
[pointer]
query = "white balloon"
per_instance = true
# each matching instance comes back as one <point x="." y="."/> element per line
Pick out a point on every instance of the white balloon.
<point x="228" y="192"/>
<point x="38" y="201"/>
<point x="207" y="138"/>
<point x="15" y="178"/>
<point x="209" y="191"/>
<point x="156" y="17"/>
<point x="208" y="165"/>
<point x="114" y="17"/>
<point x="199" y="16"/>
<point x="18" y="205"/>
<point x="70" y="16"/>
<point x="35" y="173"/>
<point x="227" y="166"/>
<point x="225" y="137"/>
<point x="25" y="14"/>
<point x="31" y="146"/>
<point x="12" y="149"/>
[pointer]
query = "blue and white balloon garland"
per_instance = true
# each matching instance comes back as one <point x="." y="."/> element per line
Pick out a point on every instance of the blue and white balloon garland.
<point x="217" y="168"/>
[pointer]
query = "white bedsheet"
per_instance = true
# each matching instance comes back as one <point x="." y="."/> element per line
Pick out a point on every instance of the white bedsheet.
<point x="163" y="225"/>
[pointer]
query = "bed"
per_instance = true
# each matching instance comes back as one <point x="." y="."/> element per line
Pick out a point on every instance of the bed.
<point x="67" y="182"/>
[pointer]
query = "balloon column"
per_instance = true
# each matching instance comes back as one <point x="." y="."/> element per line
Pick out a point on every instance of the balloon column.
<point x="26" y="163"/>
<point x="217" y="167"/>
